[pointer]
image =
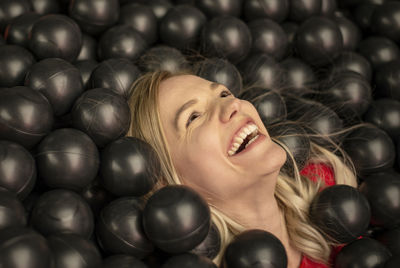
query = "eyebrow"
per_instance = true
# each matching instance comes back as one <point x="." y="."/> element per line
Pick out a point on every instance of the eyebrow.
<point x="188" y="104"/>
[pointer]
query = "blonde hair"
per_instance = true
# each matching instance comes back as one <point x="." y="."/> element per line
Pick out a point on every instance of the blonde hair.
<point x="293" y="193"/>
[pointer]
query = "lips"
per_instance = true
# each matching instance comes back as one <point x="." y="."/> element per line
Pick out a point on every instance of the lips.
<point x="242" y="124"/>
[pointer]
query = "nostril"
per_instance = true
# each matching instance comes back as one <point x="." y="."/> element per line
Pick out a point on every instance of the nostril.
<point x="234" y="112"/>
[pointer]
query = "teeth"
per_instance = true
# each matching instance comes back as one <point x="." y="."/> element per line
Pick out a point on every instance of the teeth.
<point x="238" y="140"/>
<point x="251" y="141"/>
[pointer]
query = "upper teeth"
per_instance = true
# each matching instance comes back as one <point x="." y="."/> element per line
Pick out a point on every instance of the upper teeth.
<point x="241" y="136"/>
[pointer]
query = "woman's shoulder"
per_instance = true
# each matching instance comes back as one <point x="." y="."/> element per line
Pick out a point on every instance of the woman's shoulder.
<point x="319" y="171"/>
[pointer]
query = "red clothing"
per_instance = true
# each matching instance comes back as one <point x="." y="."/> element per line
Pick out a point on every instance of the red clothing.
<point x="325" y="173"/>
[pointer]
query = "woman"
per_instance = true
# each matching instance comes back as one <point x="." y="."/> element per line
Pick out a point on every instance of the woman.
<point x="215" y="143"/>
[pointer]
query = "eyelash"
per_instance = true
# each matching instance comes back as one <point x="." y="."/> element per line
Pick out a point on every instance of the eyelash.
<point x="190" y="120"/>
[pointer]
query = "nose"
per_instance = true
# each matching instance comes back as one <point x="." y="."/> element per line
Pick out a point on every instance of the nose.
<point x="229" y="109"/>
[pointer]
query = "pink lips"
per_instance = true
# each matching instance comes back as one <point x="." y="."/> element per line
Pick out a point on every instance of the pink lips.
<point x="242" y="125"/>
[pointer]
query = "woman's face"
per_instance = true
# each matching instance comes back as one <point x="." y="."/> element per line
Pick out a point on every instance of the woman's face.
<point x="202" y="122"/>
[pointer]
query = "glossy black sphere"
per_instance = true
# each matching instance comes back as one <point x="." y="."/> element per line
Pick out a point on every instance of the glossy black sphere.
<point x="299" y="78"/>
<point x="96" y="196"/>
<point x="211" y="245"/>
<point x="122" y="261"/>
<point x="255" y="246"/>
<point x="387" y="80"/>
<point x="44" y="7"/>
<point x="352" y="61"/>
<point x="55" y="36"/>
<point x="17" y="169"/>
<point x="12" y="212"/>
<point x="170" y="230"/>
<point x="391" y="239"/>
<point x="89" y="48"/>
<point x="351" y="33"/>
<point x="124" y="177"/>
<point x="62" y="211"/>
<point x="159" y="7"/>
<point x="189" y="260"/>
<point x="15" y="62"/>
<point x="86" y="68"/>
<point x="276" y="10"/>
<point x="119" y="228"/>
<point x="341" y="212"/>
<point x="163" y="58"/>
<point x="15" y="124"/>
<point x="18" y="30"/>
<point x="384" y="20"/>
<point x="102" y="114"/>
<point x="301" y="10"/>
<point x="58" y="80"/>
<point x="218" y="8"/>
<point x="12" y="9"/>
<point x="378" y="50"/>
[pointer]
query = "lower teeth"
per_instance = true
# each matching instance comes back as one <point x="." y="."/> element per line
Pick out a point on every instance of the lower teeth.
<point x="251" y="141"/>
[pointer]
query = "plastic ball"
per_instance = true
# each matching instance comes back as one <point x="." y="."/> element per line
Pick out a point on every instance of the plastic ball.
<point x="46" y="40"/>
<point x="268" y="37"/>
<point x="383" y="193"/>
<point x="121" y="41"/>
<point x="391" y="239"/>
<point x="18" y="30"/>
<point x="276" y="10"/>
<point x="351" y="34"/>
<point x="318" y="41"/>
<point x="218" y="8"/>
<point x="301" y="10"/>
<point x="15" y="62"/>
<point x="341" y="212"/>
<point x="94" y="16"/>
<point x="15" y="125"/>
<point x="211" y="245"/>
<point x="255" y="246"/>
<point x="180" y="27"/>
<point x="362" y="15"/>
<point x="130" y="167"/>
<point x="86" y="68"/>
<point x="89" y="48"/>
<point x="116" y="75"/>
<point x="122" y="261"/>
<point x="226" y="37"/>
<point x="96" y="196"/>
<point x="62" y="211"/>
<point x="378" y="50"/>
<point x="12" y="9"/>
<point x="71" y="250"/>
<point x="67" y="158"/>
<point x="159" y="7"/>
<point x="102" y="114"/>
<point x="170" y="230"/>
<point x="220" y="71"/>
<point x="12" y="212"/>
<point x="385" y="114"/>
<point x="261" y="70"/>
<point x="384" y="20"/>
<point x="58" y="80"/>
<point x="299" y="78"/>
<point x="364" y="252"/>
<point x="44" y="7"/>
<point x="119" y="228"/>
<point x="163" y="58"/>
<point x="189" y="260"/>
<point x="17" y="169"/>
<point x="23" y="247"/>
<point x="387" y="80"/>
<point x="370" y="148"/>
<point x="352" y="61"/>
<point x="328" y="7"/>
<point x="141" y="18"/>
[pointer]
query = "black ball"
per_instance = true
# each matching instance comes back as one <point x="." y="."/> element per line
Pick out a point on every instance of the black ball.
<point x="341" y="212"/>
<point x="170" y="230"/>
<point x="15" y="125"/>
<point x="370" y="149"/>
<point x="385" y="114"/>
<point x="96" y="196"/>
<point x="378" y="50"/>
<point x="383" y="193"/>
<point x="15" y="62"/>
<point x="71" y="250"/>
<point x="46" y="41"/>
<point x="301" y="10"/>
<point x="351" y="33"/>
<point x="255" y="247"/>
<point x="268" y="37"/>
<point x="141" y="18"/>
<point x="17" y="169"/>
<point x="62" y="211"/>
<point x="12" y="212"/>
<point x="102" y="114"/>
<point x="364" y="252"/>
<point x="328" y="7"/>
<point x="261" y="70"/>
<point x="226" y="37"/>
<point x="298" y="77"/>
<point x="159" y="7"/>
<point x="58" y="80"/>
<point x="387" y="80"/>
<point x="116" y="75"/>
<point x="119" y="228"/>
<point x="122" y="261"/>
<point x="352" y="61"/>
<point x="67" y="158"/>
<point x="391" y="239"/>
<point x="384" y="20"/>
<point x="180" y="27"/>
<point x="318" y="41"/>
<point x="86" y="68"/>
<point x="220" y="71"/>
<point x="211" y="245"/>
<point x="290" y="29"/>
<point x="16" y="242"/>
<point x="276" y="10"/>
<point x="362" y="15"/>
<point x="123" y="176"/>
<point x="18" y="30"/>
<point x="89" y="48"/>
<point x="393" y="262"/>
<point x="189" y="260"/>
<point x="218" y="8"/>
<point x="163" y="58"/>
<point x="44" y="7"/>
<point x="94" y="16"/>
<point x="121" y="41"/>
<point x="12" y="9"/>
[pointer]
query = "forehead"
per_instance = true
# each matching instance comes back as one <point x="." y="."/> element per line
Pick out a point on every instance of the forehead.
<point x="182" y="83"/>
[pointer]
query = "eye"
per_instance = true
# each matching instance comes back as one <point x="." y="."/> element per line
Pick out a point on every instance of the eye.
<point x="225" y="93"/>
<point x="192" y="117"/>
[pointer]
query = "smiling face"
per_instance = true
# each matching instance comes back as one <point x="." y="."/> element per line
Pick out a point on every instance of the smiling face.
<point x="202" y="122"/>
